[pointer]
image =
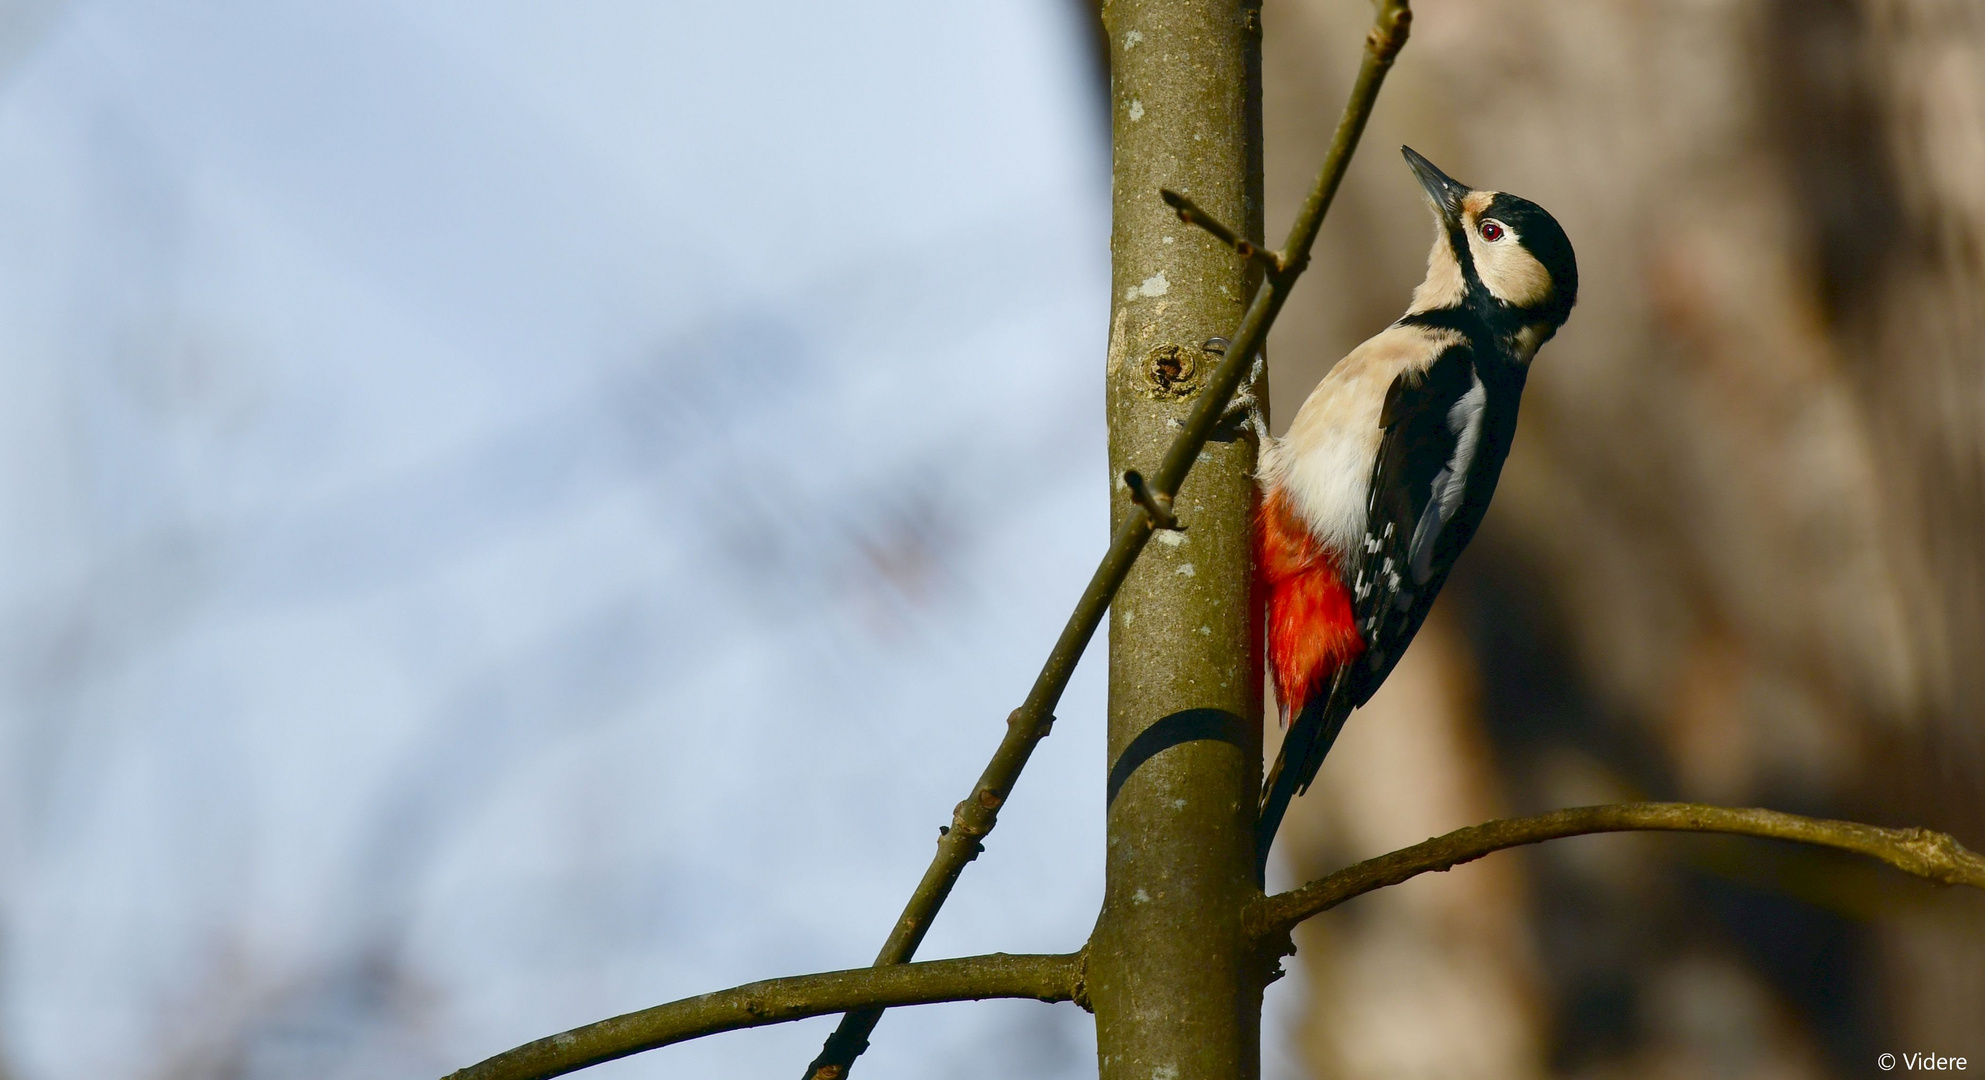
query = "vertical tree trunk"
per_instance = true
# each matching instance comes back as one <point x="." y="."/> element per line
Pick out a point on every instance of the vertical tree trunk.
<point x="1176" y="992"/>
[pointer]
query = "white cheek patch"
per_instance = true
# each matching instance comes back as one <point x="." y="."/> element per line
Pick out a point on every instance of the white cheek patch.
<point x="1510" y="273"/>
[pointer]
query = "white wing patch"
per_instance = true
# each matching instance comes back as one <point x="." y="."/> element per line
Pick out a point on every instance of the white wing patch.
<point x="1464" y="419"/>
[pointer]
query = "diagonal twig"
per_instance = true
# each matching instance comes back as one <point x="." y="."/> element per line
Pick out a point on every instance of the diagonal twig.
<point x="976" y="816"/>
<point x="1190" y="213"/>
<point x="1157" y="507"/>
<point x="776" y="1001"/>
<point x="1921" y="852"/>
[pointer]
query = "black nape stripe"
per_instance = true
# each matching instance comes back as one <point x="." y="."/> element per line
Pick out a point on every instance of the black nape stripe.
<point x="1459" y="319"/>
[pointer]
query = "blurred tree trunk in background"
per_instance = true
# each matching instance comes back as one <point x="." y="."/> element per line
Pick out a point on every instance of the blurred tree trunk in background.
<point x="1738" y="555"/>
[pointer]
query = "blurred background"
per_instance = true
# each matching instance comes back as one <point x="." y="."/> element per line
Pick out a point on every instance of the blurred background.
<point x="515" y="513"/>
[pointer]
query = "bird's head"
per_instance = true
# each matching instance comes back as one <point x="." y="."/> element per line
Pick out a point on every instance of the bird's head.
<point x="1497" y="252"/>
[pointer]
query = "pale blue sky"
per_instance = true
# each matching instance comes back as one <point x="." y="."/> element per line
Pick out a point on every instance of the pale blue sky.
<point x="514" y="513"/>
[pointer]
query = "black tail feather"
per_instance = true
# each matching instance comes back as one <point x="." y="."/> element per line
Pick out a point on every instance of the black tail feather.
<point x="1303" y="751"/>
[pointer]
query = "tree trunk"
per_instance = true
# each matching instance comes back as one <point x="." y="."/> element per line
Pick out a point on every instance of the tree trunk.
<point x="1176" y="989"/>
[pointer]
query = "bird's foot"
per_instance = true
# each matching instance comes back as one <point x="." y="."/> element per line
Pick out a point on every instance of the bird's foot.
<point x="1244" y="413"/>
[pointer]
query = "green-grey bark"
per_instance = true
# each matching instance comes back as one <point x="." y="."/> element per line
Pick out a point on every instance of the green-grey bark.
<point x="1176" y="991"/>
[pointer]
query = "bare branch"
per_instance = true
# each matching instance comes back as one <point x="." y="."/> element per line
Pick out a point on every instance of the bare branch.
<point x="776" y="1001"/>
<point x="1157" y="507"/>
<point x="1190" y="213"/>
<point x="976" y="816"/>
<point x="1382" y="45"/>
<point x="1921" y="852"/>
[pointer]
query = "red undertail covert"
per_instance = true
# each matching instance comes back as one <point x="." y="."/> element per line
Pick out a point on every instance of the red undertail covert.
<point x="1311" y="631"/>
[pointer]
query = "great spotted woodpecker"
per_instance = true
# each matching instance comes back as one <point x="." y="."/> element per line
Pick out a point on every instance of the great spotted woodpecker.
<point x="1387" y="470"/>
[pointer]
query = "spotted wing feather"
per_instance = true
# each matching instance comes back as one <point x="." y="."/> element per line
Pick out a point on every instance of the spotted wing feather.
<point x="1414" y="520"/>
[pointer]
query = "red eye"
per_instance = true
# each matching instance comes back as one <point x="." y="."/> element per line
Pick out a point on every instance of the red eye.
<point x="1491" y="231"/>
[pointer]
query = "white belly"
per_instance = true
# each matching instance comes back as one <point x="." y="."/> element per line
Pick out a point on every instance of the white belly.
<point x="1323" y="464"/>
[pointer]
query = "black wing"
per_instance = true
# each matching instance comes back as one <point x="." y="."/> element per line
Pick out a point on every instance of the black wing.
<point x="1436" y="466"/>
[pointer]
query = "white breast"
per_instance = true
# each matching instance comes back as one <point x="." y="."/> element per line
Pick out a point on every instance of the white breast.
<point x="1323" y="465"/>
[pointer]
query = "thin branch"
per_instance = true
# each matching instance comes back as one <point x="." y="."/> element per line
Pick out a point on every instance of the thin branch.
<point x="1921" y="852"/>
<point x="1382" y="45"/>
<point x="1157" y="507"/>
<point x="1190" y="213"/>
<point x="976" y="816"/>
<point x="776" y="1001"/>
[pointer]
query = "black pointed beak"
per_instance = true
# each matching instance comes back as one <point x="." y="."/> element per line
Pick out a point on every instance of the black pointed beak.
<point x="1443" y="190"/>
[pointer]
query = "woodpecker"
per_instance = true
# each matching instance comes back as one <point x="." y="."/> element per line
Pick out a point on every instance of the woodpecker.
<point x="1387" y="469"/>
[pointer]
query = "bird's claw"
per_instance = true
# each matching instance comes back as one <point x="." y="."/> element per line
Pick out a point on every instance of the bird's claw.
<point x="1244" y="413"/>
